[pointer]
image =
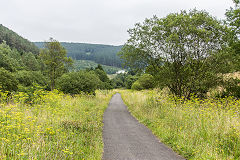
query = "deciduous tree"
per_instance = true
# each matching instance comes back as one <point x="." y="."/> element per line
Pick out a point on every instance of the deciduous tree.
<point x="55" y="58"/>
<point x="185" y="51"/>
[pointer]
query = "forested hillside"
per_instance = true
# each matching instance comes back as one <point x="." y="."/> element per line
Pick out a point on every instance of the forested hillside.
<point x="102" y="54"/>
<point x="13" y="40"/>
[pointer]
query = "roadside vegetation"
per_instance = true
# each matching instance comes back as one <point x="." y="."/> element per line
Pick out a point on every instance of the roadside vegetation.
<point x="196" y="128"/>
<point x="53" y="126"/>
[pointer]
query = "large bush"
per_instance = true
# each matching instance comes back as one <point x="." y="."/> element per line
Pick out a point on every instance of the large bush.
<point x="7" y="81"/>
<point x="77" y="82"/>
<point x="146" y="81"/>
<point x="137" y="86"/>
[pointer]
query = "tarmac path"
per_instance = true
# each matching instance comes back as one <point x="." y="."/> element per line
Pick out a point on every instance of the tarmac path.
<point x="126" y="139"/>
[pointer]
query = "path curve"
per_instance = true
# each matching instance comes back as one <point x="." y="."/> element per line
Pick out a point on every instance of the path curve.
<point x="126" y="139"/>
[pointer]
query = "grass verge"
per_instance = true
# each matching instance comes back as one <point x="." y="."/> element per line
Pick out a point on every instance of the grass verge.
<point x="55" y="126"/>
<point x="196" y="129"/>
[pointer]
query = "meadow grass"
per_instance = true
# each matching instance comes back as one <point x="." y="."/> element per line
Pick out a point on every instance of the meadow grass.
<point x="53" y="126"/>
<point x="196" y="129"/>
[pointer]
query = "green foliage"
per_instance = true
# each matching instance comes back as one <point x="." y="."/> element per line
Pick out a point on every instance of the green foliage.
<point x="12" y="60"/>
<point x="101" y="54"/>
<point x="78" y="82"/>
<point x="27" y="78"/>
<point x="30" y="61"/>
<point x="119" y="81"/>
<point x="15" y="41"/>
<point x="86" y="64"/>
<point x="130" y="80"/>
<point x="184" y="51"/>
<point x="232" y="88"/>
<point x="5" y="60"/>
<point x="145" y="81"/>
<point x="137" y="86"/>
<point x="233" y="20"/>
<point x="233" y="17"/>
<point x="102" y="75"/>
<point x="7" y="81"/>
<point x="55" y="58"/>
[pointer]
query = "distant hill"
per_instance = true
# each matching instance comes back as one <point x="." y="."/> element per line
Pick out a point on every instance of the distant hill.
<point x="102" y="54"/>
<point x="15" y="41"/>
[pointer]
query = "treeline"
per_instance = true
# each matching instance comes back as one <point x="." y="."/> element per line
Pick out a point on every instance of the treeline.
<point x="102" y="54"/>
<point x="15" y="41"/>
<point x="26" y="72"/>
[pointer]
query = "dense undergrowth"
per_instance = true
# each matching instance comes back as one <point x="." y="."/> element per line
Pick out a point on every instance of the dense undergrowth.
<point x="52" y="126"/>
<point x="196" y="129"/>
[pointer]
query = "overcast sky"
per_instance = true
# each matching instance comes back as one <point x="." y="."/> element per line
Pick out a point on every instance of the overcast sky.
<point x="92" y="21"/>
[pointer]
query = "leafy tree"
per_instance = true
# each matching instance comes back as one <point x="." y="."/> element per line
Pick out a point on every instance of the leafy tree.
<point x="77" y="82"/>
<point x="185" y="51"/>
<point x="233" y="17"/>
<point x="55" y="58"/>
<point x="7" y="62"/>
<point x="233" y="20"/>
<point x="102" y="75"/>
<point x="7" y="81"/>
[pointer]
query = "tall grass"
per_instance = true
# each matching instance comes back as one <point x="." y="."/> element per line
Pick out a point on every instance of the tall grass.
<point x="53" y="126"/>
<point x="196" y="129"/>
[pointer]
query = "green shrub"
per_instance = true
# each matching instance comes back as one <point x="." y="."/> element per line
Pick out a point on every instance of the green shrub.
<point x="77" y="82"/>
<point x="146" y="81"/>
<point x="137" y="86"/>
<point x="7" y="81"/>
